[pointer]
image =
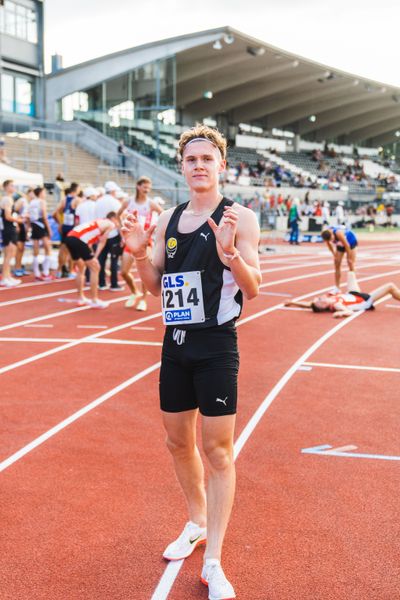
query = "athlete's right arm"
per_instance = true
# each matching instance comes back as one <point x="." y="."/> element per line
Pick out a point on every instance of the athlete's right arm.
<point x="331" y="247"/>
<point x="298" y="304"/>
<point x="150" y="270"/>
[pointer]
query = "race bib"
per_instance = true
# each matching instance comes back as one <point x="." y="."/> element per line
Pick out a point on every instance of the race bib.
<point x="182" y="298"/>
<point x="69" y="219"/>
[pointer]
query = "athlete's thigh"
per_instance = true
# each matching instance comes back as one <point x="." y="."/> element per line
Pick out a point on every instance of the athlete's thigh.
<point x="338" y="258"/>
<point x="177" y="392"/>
<point x="126" y="261"/>
<point x="218" y="431"/>
<point x="216" y="387"/>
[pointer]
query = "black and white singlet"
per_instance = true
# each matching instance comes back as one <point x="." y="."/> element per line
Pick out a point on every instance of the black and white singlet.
<point x="198" y="290"/>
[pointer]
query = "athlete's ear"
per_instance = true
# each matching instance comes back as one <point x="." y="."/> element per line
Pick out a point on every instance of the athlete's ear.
<point x="222" y="166"/>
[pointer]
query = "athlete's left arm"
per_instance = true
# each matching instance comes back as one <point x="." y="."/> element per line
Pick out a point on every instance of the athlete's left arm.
<point x="155" y="207"/>
<point x="239" y="231"/>
<point x="45" y="217"/>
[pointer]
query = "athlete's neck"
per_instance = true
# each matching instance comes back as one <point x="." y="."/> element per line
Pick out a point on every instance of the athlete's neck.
<point x="202" y="202"/>
<point x="141" y="198"/>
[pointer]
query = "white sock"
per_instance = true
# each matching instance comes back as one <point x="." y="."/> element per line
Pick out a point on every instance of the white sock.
<point x="352" y="283"/>
<point x="211" y="561"/>
<point x="35" y="264"/>
<point x="46" y="265"/>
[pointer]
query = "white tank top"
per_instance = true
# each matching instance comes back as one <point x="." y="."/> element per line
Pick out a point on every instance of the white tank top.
<point x="35" y="210"/>
<point x="144" y="210"/>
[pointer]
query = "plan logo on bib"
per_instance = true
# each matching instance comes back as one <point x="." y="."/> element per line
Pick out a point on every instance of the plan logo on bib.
<point x="172" y="246"/>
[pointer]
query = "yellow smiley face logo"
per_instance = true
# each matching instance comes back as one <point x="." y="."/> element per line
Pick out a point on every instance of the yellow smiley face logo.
<point x="172" y="246"/>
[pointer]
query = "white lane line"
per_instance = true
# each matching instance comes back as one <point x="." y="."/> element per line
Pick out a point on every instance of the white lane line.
<point x="356" y="367"/>
<point x="291" y="308"/>
<point x="68" y="340"/>
<point x="143" y="328"/>
<point x="60" y="313"/>
<point x="308" y="294"/>
<point x="171" y="572"/>
<point x="317" y="274"/>
<point x="76" y="342"/>
<point x="54" y="430"/>
<point x="392" y="305"/>
<point x="38" y="297"/>
<point x="92" y="326"/>
<point x="40" y="325"/>
<point x="35" y="284"/>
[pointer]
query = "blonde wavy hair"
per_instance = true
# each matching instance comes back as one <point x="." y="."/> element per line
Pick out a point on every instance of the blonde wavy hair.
<point x="203" y="131"/>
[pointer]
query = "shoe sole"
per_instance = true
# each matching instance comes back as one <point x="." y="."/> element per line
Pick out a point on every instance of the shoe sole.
<point x="201" y="543"/>
<point x="211" y="598"/>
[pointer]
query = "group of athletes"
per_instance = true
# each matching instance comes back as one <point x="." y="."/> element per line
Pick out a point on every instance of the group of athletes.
<point x="89" y="222"/>
<point x="202" y="258"/>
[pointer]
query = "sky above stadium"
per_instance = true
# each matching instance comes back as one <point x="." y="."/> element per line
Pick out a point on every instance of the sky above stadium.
<point x="358" y="36"/>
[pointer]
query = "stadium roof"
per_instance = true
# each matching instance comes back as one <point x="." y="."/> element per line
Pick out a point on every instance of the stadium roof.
<point x="253" y="82"/>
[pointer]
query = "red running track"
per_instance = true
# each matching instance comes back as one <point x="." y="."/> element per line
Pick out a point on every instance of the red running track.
<point x="87" y="512"/>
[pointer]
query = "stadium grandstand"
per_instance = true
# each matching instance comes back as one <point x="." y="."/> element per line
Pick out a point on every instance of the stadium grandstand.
<point x="290" y="122"/>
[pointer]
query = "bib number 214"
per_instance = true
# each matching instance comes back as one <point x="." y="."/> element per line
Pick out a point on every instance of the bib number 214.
<point x="182" y="298"/>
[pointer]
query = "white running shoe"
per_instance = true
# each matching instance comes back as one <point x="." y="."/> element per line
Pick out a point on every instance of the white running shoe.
<point x="142" y="305"/>
<point x="84" y="302"/>
<point x="10" y="282"/>
<point x="98" y="304"/>
<point x="191" y="537"/>
<point x="334" y="290"/>
<point x="131" y="300"/>
<point x="213" y="576"/>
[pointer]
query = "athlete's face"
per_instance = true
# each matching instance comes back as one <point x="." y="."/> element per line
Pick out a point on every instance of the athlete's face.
<point x="144" y="189"/>
<point x="202" y="165"/>
<point x="323" y="302"/>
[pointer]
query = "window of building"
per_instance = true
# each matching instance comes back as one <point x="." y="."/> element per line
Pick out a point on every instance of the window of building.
<point x="7" y="92"/>
<point x="19" y="21"/>
<point x="17" y="94"/>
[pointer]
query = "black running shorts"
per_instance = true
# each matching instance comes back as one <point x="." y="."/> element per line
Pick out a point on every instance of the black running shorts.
<point x="39" y="231"/>
<point x="21" y="233"/>
<point x="9" y="236"/>
<point x="199" y="369"/>
<point x="78" y="249"/>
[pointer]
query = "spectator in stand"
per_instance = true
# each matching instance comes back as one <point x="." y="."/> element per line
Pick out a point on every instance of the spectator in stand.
<point x="326" y="213"/>
<point x="9" y="233"/>
<point x="317" y="212"/>
<point x="105" y="205"/>
<point x="40" y="233"/>
<point x="122" y="156"/>
<point x="389" y="214"/>
<point x="293" y="221"/>
<point x="59" y="186"/>
<point x="339" y="213"/>
<point x="3" y="155"/>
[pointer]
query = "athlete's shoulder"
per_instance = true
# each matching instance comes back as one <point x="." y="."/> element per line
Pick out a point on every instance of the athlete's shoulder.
<point x="164" y="218"/>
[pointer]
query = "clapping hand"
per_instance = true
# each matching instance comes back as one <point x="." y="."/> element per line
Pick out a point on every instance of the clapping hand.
<point x="135" y="236"/>
<point x="225" y="232"/>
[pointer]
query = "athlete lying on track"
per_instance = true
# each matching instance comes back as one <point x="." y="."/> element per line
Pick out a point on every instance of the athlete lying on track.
<point x="345" y="304"/>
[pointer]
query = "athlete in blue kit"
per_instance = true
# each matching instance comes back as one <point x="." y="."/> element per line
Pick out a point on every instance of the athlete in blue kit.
<point x="205" y="259"/>
<point x="341" y="241"/>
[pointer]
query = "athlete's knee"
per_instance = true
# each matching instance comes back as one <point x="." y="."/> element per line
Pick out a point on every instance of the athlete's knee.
<point x="125" y="274"/>
<point x="180" y="446"/>
<point x="219" y="456"/>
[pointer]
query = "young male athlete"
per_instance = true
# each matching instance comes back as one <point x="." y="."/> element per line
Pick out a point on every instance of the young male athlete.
<point x="8" y="226"/>
<point x="40" y="233"/>
<point x="340" y="241"/>
<point x="79" y="241"/>
<point x="205" y="258"/>
<point x="345" y="304"/>
<point x="146" y="209"/>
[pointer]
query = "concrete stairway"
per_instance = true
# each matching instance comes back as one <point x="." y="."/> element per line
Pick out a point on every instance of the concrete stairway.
<point x="51" y="157"/>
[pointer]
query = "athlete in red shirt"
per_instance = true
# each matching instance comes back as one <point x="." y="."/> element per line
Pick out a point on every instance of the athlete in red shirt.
<point x="79" y="242"/>
<point x="345" y="304"/>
